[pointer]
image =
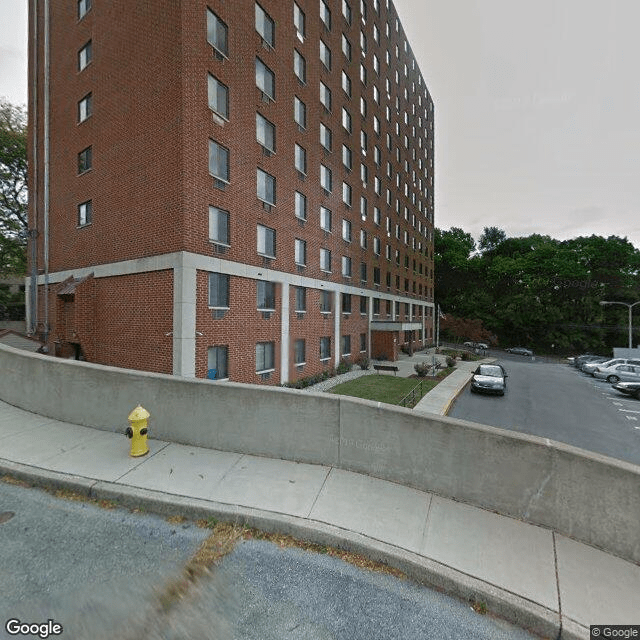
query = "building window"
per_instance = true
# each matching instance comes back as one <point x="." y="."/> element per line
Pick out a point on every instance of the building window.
<point x="346" y="267"/>
<point x="218" y="161"/>
<point x="346" y="47"/>
<point x="265" y="26"/>
<point x="325" y="96"/>
<point x="219" y="290"/>
<point x="301" y="299"/>
<point x="265" y="80"/>
<point x="219" y="226"/>
<point x="299" y="352"/>
<point x="84" y="160"/>
<point x="376" y="306"/>
<point x="325" y="55"/>
<point x="300" y="112"/>
<point x="217" y="32"/>
<point x="363" y="74"/>
<point x="363" y="271"/>
<point x="363" y="305"/>
<point x="325" y="15"/>
<point x="363" y="238"/>
<point x="266" y="241"/>
<point x="376" y="245"/>
<point x="265" y="360"/>
<point x="299" y="21"/>
<point x="84" y="108"/>
<point x="346" y="230"/>
<point x="266" y="133"/>
<point x="346" y="345"/>
<point x="325" y="178"/>
<point x="346" y="303"/>
<point x="363" y="342"/>
<point x="300" y="206"/>
<point x="346" y="194"/>
<point x="218" y="97"/>
<point x="325" y="219"/>
<point x="364" y="174"/>
<point x="301" y="252"/>
<point x="325" y="348"/>
<point x="217" y="358"/>
<point x="299" y="66"/>
<point x="266" y="295"/>
<point x="346" y="120"/>
<point x="347" y="160"/>
<point x="84" y="56"/>
<point x="376" y="275"/>
<point x="363" y="143"/>
<point x="301" y="159"/>
<point x="266" y="187"/>
<point x="83" y="8"/>
<point x="325" y="136"/>
<point x="325" y="302"/>
<point x="346" y="84"/>
<point x="325" y="260"/>
<point x="346" y="11"/>
<point x="85" y="213"/>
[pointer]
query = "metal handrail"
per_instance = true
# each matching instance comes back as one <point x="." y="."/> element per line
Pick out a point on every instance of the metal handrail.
<point x="412" y="395"/>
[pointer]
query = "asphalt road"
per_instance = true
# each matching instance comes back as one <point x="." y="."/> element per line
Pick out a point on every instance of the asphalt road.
<point x="558" y="402"/>
<point x="95" y="572"/>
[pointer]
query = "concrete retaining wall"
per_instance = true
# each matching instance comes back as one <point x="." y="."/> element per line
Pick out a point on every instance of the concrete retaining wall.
<point x="589" y="497"/>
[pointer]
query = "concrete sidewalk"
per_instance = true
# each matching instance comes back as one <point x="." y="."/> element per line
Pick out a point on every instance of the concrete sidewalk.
<point x="529" y="575"/>
<point x="442" y="396"/>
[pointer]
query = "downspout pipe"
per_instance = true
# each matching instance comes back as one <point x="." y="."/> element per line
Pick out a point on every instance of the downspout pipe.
<point x="46" y="170"/>
<point x="32" y="302"/>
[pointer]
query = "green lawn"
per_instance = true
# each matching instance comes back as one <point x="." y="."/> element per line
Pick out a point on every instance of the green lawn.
<point x="389" y="389"/>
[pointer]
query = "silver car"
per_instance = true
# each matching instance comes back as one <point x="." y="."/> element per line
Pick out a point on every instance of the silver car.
<point x="590" y="367"/>
<point x="489" y="378"/>
<point x="626" y="372"/>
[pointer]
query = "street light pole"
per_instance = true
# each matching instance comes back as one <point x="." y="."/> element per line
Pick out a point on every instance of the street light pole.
<point x="630" y="306"/>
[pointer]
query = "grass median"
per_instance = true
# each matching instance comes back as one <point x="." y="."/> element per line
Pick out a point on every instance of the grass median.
<point x="389" y="389"/>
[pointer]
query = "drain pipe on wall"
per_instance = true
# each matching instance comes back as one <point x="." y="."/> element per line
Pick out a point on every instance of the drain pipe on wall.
<point x="46" y="170"/>
<point x="32" y="300"/>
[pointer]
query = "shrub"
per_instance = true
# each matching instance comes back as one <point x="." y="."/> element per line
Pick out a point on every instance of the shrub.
<point x="451" y="362"/>
<point x="363" y="362"/>
<point x="345" y="366"/>
<point x="422" y="369"/>
<point x="465" y="356"/>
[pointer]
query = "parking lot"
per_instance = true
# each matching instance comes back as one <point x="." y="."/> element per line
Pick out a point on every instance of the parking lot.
<point x="559" y="402"/>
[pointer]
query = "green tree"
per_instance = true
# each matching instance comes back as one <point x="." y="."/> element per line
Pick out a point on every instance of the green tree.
<point x="490" y="239"/>
<point x="13" y="189"/>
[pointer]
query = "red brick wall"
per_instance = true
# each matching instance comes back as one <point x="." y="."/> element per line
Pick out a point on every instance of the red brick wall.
<point x="129" y="330"/>
<point x="150" y="186"/>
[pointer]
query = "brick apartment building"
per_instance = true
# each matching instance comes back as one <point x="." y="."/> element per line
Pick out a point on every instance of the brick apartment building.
<point x="233" y="186"/>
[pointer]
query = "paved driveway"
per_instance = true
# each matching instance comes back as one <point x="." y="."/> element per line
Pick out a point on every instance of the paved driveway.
<point x="560" y="403"/>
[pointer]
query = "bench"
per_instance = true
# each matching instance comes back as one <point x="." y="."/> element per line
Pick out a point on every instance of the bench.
<point x="386" y="367"/>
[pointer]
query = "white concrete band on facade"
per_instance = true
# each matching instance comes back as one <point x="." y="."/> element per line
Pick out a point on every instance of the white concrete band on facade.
<point x="583" y="495"/>
<point x="185" y="265"/>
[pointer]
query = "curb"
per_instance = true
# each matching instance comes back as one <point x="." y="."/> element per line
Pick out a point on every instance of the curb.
<point x="455" y="395"/>
<point x="513" y="608"/>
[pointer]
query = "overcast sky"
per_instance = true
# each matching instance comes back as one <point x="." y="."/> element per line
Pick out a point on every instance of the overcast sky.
<point x="537" y="110"/>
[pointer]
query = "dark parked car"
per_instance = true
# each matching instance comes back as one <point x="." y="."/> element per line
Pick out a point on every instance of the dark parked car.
<point x="628" y="388"/>
<point x="489" y="378"/>
<point x="521" y="351"/>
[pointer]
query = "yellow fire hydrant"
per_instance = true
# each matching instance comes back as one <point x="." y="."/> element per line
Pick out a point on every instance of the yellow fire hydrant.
<point x="137" y="431"/>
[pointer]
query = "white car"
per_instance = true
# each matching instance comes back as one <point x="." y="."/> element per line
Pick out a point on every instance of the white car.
<point x="590" y="367"/>
<point x="626" y="372"/>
